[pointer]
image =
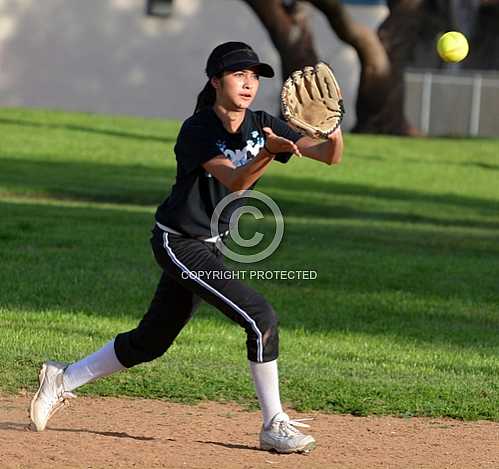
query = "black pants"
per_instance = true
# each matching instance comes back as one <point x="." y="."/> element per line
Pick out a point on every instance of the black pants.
<point x="193" y="270"/>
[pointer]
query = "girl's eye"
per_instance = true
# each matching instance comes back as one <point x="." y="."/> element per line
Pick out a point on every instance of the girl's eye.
<point x="242" y="75"/>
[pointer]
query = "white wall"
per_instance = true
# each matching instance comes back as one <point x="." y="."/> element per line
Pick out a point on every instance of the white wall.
<point x="107" y="56"/>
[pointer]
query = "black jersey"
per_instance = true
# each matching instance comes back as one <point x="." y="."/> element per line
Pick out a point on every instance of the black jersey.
<point x="196" y="193"/>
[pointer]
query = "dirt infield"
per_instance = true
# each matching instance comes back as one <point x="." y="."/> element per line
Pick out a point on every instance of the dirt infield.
<point x="111" y="432"/>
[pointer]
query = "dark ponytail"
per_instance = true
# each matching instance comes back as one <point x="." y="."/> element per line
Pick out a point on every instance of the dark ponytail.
<point x="206" y="98"/>
<point x="208" y="94"/>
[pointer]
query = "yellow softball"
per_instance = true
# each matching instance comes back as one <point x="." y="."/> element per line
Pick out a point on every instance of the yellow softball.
<point x="452" y="46"/>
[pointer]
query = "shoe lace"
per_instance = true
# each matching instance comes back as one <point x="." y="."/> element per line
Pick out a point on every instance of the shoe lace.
<point x="288" y="427"/>
<point x="60" y="399"/>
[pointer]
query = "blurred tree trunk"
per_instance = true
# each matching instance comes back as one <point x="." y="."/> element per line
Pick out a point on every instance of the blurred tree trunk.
<point x="380" y="107"/>
<point x="380" y="104"/>
<point x="289" y="30"/>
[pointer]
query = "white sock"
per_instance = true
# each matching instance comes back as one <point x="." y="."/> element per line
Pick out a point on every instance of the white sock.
<point x="101" y="363"/>
<point x="266" y="379"/>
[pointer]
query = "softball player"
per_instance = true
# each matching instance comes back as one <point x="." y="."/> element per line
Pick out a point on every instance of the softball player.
<point x="222" y="148"/>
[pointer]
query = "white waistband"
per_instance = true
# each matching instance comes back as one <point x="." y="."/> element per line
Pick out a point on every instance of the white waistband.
<point x="213" y="239"/>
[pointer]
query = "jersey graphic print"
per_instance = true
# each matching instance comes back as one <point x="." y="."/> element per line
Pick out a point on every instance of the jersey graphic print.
<point x="242" y="156"/>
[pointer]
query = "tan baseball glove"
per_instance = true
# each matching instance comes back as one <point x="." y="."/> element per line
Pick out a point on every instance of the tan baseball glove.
<point x="311" y="101"/>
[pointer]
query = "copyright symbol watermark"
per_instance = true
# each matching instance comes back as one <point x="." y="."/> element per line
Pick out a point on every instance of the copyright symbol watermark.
<point x="234" y="229"/>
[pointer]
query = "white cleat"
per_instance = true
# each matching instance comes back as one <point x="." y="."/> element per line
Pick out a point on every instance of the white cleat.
<point x="282" y="436"/>
<point x="50" y="396"/>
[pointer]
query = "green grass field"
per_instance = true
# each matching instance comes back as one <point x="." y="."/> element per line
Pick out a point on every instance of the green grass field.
<point x="403" y="318"/>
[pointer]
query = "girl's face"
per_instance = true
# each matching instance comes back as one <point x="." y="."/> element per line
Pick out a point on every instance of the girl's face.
<point x="236" y="90"/>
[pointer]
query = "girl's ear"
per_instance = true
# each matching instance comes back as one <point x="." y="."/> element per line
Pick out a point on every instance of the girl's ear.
<point x="215" y="82"/>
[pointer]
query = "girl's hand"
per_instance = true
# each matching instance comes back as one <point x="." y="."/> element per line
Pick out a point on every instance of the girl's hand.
<point x="275" y="144"/>
<point x="335" y="135"/>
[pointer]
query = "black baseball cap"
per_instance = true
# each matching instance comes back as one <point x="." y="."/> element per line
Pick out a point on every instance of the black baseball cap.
<point x="232" y="56"/>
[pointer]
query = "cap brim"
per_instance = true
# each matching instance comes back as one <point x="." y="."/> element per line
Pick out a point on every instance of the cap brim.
<point x="264" y="70"/>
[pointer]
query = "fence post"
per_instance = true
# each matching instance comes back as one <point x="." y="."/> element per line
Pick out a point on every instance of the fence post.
<point x="426" y="102"/>
<point x="475" y="105"/>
